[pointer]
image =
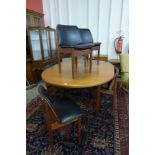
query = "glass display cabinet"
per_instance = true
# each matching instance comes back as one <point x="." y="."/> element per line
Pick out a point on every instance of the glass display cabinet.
<point x="43" y="46"/>
<point x="32" y="19"/>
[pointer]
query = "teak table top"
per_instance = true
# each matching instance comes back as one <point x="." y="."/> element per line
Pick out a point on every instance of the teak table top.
<point x="100" y="74"/>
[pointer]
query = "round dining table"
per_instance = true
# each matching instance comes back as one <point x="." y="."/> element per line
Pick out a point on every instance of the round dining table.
<point x="100" y="74"/>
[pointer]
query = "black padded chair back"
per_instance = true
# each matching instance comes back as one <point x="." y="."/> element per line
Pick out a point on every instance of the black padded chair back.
<point x="43" y="93"/>
<point x="86" y="36"/>
<point x="68" y="35"/>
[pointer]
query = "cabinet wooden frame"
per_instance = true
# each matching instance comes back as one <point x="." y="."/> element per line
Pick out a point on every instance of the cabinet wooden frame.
<point x="32" y="15"/>
<point x="30" y="75"/>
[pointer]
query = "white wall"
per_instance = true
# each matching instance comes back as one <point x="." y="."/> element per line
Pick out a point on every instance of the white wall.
<point x="105" y="18"/>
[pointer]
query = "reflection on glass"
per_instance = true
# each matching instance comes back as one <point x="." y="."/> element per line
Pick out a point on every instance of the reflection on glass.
<point x="36" y="49"/>
<point x="28" y="21"/>
<point x="37" y="21"/>
<point x="45" y="44"/>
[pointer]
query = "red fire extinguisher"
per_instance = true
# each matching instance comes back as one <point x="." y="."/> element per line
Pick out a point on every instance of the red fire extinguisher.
<point x="119" y="42"/>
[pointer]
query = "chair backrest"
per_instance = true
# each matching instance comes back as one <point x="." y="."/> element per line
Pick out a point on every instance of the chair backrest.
<point x="124" y="62"/>
<point x="86" y="36"/>
<point x="68" y="35"/>
<point x="49" y="100"/>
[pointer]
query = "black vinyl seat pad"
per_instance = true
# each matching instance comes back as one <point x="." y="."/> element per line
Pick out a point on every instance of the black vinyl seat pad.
<point x="79" y="46"/>
<point x="67" y="109"/>
<point x="97" y="43"/>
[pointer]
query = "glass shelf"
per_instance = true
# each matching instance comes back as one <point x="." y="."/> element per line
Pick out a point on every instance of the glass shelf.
<point x="39" y="39"/>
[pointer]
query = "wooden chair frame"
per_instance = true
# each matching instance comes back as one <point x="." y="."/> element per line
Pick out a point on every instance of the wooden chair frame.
<point x="125" y="85"/>
<point x="98" y="54"/>
<point x="111" y="90"/>
<point x="74" y="57"/>
<point x="53" y="123"/>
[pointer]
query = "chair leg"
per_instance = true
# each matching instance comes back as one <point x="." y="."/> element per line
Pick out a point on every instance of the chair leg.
<point x="73" y="64"/>
<point x="87" y="58"/>
<point x="59" y="62"/>
<point x="84" y="61"/>
<point x="79" y="130"/>
<point x="50" y="137"/>
<point x="50" y="133"/>
<point x="98" y="56"/>
<point x="76" y="62"/>
<point x="90" y="62"/>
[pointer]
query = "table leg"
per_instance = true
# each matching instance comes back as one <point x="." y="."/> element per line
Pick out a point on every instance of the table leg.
<point x="47" y="85"/>
<point x="97" y="102"/>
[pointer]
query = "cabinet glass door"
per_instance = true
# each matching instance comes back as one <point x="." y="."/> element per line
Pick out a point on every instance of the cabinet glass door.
<point x="28" y="20"/>
<point x="52" y="42"/>
<point x="37" y="21"/>
<point x="45" y="42"/>
<point x="35" y="42"/>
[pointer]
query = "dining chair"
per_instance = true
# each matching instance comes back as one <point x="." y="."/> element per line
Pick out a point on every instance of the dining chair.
<point x="110" y="89"/>
<point x="88" y="39"/>
<point x="70" y="42"/>
<point x="59" y="112"/>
